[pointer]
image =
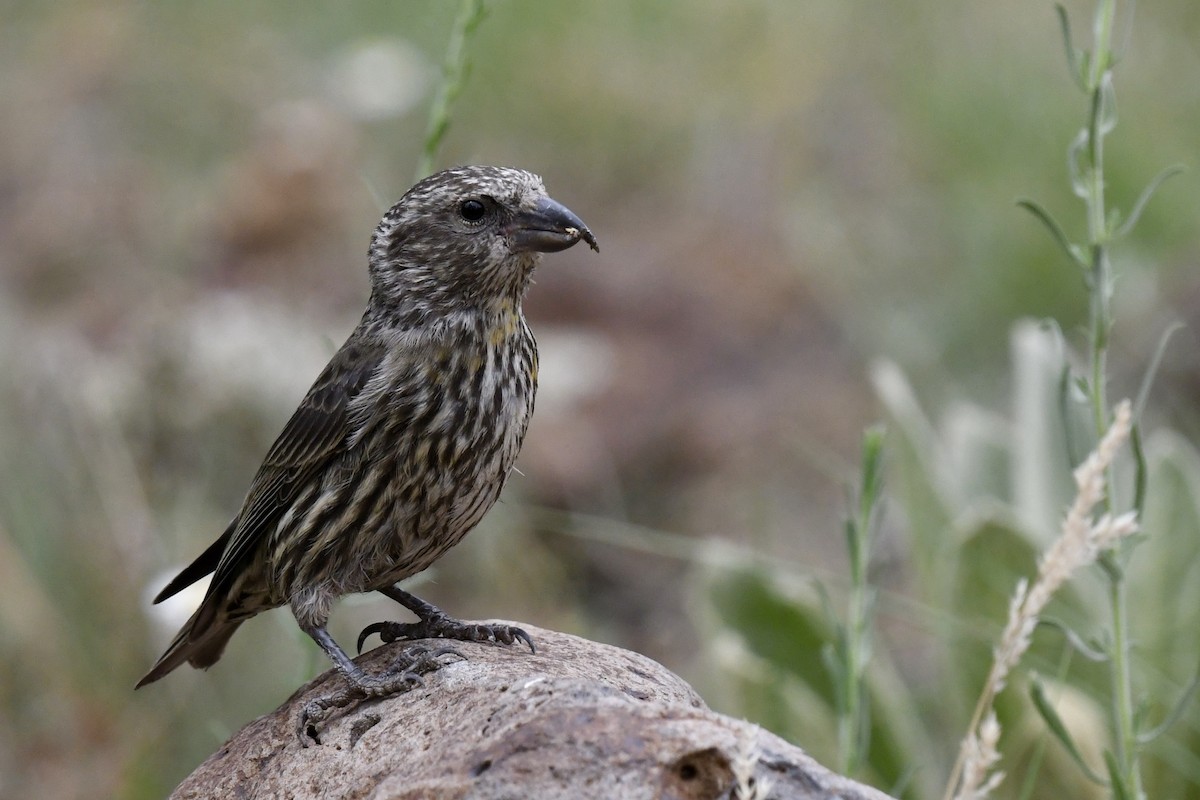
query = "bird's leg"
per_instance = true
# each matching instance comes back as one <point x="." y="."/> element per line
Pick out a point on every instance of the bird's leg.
<point x="435" y="623"/>
<point x="402" y="676"/>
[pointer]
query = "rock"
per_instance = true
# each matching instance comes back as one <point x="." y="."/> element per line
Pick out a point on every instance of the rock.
<point x="577" y="720"/>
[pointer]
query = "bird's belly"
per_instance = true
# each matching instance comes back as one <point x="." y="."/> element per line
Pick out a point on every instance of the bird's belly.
<point x="451" y="480"/>
<point x="418" y="482"/>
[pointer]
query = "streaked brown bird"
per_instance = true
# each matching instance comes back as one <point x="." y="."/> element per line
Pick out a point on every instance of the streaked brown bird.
<point x="406" y="438"/>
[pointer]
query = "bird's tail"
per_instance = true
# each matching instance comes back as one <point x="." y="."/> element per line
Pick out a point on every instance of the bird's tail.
<point x="198" y="644"/>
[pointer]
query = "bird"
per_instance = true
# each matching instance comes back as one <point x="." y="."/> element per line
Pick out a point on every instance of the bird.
<point x="405" y="439"/>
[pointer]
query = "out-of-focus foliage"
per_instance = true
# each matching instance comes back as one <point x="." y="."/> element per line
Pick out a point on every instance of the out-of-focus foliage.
<point x="783" y="192"/>
<point x="996" y="518"/>
<point x="981" y="496"/>
<point x="990" y="540"/>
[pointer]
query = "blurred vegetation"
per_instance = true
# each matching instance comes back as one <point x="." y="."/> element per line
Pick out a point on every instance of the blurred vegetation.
<point x="807" y="217"/>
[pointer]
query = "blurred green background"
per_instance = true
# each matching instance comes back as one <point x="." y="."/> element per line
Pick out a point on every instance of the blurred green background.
<point x="784" y="193"/>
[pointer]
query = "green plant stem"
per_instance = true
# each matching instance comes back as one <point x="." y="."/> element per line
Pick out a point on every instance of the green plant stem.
<point x="1100" y="121"/>
<point x="853" y="726"/>
<point x="454" y="76"/>
<point x="1099" y="344"/>
<point x="1127" y="746"/>
<point x="850" y="725"/>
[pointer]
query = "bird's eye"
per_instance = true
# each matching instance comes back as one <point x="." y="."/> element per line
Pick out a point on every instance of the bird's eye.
<point x="472" y="210"/>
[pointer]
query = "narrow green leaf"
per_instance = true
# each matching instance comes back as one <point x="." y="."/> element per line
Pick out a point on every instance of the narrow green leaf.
<point x="1112" y="222"/>
<point x="1033" y="770"/>
<point x="1073" y="251"/>
<point x="861" y="516"/>
<point x="1074" y="455"/>
<point x="1175" y="713"/>
<point x="1107" y="109"/>
<point x="1088" y="651"/>
<point x="1152" y="370"/>
<point x="1073" y="64"/>
<point x="1158" y="180"/>
<point x="854" y="544"/>
<point x="1122" y="47"/>
<point x="1140" y="471"/>
<point x="872" y="473"/>
<point x="1140" y="715"/>
<point x="1055" y="724"/>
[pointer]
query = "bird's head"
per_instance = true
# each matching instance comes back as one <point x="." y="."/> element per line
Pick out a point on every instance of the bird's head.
<point x="466" y="237"/>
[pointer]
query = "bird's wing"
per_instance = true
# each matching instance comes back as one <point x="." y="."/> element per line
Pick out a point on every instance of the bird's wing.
<point x="317" y="431"/>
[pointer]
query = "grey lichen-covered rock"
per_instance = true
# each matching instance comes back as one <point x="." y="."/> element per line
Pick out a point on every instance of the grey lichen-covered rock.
<point x="577" y="720"/>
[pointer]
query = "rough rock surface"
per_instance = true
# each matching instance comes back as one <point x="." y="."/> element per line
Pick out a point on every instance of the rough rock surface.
<point x="577" y="720"/>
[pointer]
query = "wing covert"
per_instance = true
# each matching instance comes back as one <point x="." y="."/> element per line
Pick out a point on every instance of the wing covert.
<point x="316" y="432"/>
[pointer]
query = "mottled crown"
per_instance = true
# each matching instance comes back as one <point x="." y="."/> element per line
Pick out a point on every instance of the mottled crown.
<point x="443" y="246"/>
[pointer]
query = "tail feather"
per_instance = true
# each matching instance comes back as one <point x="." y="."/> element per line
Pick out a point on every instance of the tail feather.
<point x="205" y="563"/>
<point x="200" y="648"/>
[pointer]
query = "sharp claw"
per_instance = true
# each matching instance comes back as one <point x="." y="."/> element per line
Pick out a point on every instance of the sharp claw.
<point x="374" y="627"/>
<point x="447" y="651"/>
<point x="524" y="637"/>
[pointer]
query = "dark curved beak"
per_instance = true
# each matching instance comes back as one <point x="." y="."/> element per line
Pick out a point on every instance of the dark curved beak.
<point x="547" y="228"/>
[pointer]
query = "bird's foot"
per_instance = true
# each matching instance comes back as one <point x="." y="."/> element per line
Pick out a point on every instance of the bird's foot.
<point x="439" y="626"/>
<point x="402" y="676"/>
